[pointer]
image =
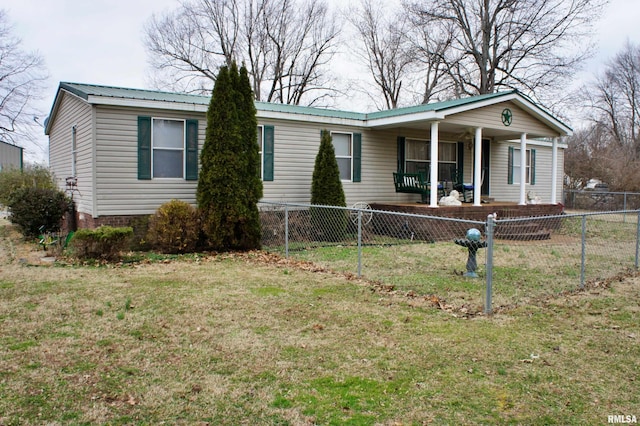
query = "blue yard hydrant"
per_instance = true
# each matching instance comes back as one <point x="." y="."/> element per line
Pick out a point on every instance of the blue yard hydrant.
<point x="472" y="242"/>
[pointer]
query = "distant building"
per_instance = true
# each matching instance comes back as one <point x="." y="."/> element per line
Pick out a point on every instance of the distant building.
<point x="10" y="156"/>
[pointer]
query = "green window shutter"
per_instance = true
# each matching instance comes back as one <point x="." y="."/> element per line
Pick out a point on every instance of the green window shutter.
<point x="533" y="167"/>
<point x="510" y="167"/>
<point x="267" y="153"/>
<point x="460" y="166"/>
<point x="191" y="155"/>
<point x="400" y="167"/>
<point x="357" y="157"/>
<point x="144" y="148"/>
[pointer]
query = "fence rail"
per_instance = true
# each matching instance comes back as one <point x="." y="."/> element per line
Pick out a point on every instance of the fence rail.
<point x="597" y="200"/>
<point x="519" y="259"/>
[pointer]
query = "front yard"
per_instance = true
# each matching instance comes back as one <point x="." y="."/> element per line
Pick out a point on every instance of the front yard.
<point x="254" y="339"/>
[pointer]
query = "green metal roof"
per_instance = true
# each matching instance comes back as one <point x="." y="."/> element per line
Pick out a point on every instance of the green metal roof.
<point x="436" y="106"/>
<point x="86" y="90"/>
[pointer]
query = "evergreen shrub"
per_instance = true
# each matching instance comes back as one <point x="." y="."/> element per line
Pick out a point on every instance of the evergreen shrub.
<point x="326" y="189"/>
<point x="229" y="183"/>
<point x="174" y="228"/>
<point x="105" y="242"/>
<point x="37" y="210"/>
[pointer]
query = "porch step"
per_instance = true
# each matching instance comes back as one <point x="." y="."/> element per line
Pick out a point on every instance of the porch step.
<point x="527" y="231"/>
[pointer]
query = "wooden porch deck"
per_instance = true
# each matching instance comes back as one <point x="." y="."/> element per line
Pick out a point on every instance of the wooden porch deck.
<point x="503" y="209"/>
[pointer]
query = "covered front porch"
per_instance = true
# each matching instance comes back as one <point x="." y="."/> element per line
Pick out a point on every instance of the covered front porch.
<point x="502" y="147"/>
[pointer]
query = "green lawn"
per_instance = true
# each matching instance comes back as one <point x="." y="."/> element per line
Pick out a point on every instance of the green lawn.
<point x="256" y="340"/>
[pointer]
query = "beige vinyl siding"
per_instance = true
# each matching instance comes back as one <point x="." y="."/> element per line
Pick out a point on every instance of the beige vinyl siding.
<point x="502" y="191"/>
<point x="491" y="117"/>
<point x="296" y="145"/>
<point x="73" y="111"/>
<point x="117" y="185"/>
<point x="295" y="149"/>
<point x="379" y="161"/>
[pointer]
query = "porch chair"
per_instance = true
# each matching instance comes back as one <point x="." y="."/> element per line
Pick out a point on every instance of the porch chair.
<point x="466" y="189"/>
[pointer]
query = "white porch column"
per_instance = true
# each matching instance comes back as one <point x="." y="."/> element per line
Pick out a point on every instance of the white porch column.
<point x="554" y="171"/>
<point x="523" y="169"/>
<point x="477" y="167"/>
<point x="433" y="175"/>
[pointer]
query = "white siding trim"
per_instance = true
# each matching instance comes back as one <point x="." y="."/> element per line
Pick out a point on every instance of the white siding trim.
<point x="94" y="160"/>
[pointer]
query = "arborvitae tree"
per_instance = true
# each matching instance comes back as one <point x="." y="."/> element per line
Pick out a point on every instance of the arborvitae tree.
<point x="229" y="187"/>
<point x="326" y="189"/>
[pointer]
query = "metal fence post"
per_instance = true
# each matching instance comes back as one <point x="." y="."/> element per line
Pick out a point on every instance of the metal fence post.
<point x="489" y="277"/>
<point x="624" y="216"/>
<point x="286" y="231"/>
<point x="637" y="237"/>
<point x="584" y="251"/>
<point x="359" y="243"/>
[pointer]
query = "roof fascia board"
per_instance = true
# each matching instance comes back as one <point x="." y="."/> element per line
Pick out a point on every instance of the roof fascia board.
<point x="192" y="107"/>
<point x="544" y="115"/>
<point x="528" y="105"/>
<point x="405" y="119"/>
<point x="142" y="103"/>
<point x="56" y="106"/>
<point x="479" y="104"/>
<point x="537" y="142"/>
<point x="321" y="119"/>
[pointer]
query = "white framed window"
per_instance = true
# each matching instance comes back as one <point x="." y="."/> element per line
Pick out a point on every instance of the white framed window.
<point x="168" y="145"/>
<point x="343" y="146"/>
<point x="517" y="168"/>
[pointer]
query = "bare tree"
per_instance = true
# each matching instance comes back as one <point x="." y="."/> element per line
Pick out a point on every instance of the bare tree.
<point x="22" y="78"/>
<point x="613" y="138"/>
<point x="530" y="45"/>
<point x="615" y="98"/>
<point x="386" y="48"/>
<point x="286" y="45"/>
<point x="584" y="147"/>
<point x="433" y="58"/>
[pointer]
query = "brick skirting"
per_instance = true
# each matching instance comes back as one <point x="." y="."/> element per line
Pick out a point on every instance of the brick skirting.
<point x="478" y="213"/>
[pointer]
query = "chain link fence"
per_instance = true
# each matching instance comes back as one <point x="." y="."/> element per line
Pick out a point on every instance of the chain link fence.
<point x="598" y="200"/>
<point x="517" y="259"/>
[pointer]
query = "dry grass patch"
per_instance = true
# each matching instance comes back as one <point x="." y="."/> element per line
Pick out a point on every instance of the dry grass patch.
<point x="253" y="339"/>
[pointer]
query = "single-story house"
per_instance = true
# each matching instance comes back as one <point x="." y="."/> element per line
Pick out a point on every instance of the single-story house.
<point x="123" y="152"/>
<point x="11" y="156"/>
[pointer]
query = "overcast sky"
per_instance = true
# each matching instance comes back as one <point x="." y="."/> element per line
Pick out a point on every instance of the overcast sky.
<point x="100" y="42"/>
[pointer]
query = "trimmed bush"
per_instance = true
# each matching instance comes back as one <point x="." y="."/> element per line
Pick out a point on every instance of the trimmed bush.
<point x="105" y="242"/>
<point x="174" y="228"/>
<point x="326" y="189"/>
<point x="37" y="209"/>
<point x="229" y="184"/>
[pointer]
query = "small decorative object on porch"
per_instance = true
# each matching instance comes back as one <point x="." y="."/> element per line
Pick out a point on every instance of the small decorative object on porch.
<point x="472" y="242"/>
<point x="453" y="199"/>
<point x="532" y="198"/>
